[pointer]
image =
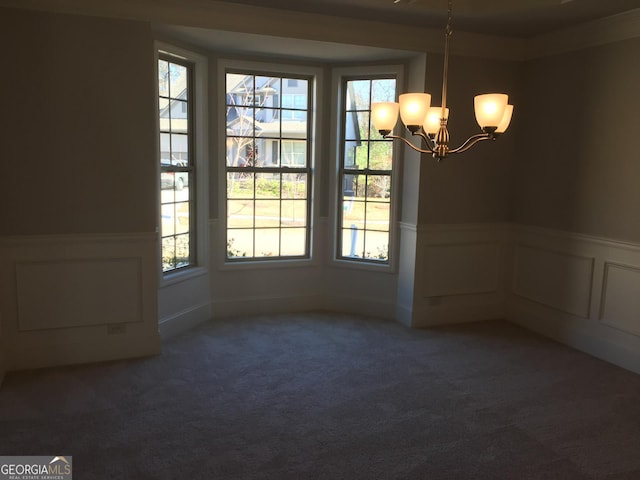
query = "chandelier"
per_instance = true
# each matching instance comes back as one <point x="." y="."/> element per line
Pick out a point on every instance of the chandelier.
<point x="492" y="111"/>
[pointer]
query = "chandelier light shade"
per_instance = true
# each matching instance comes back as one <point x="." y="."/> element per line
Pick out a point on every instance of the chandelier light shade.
<point x="506" y="119"/>
<point x="490" y="108"/>
<point x="414" y="108"/>
<point x="431" y="123"/>
<point x="384" y="115"/>
<point x="492" y="111"/>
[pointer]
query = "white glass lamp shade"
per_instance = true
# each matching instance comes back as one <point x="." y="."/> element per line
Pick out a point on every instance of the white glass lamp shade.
<point x="413" y="108"/>
<point x="384" y="115"/>
<point x="490" y="109"/>
<point x="506" y="119"/>
<point x="431" y="123"/>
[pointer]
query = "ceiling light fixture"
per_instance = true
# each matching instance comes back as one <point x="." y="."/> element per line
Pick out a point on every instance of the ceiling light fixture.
<point x="492" y="111"/>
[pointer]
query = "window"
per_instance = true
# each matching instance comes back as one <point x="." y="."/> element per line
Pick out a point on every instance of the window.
<point x="365" y="174"/>
<point x="268" y="166"/>
<point x="177" y="173"/>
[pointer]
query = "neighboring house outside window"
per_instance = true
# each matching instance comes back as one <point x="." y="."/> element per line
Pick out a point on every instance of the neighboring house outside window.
<point x="365" y="174"/>
<point x="267" y="166"/>
<point x="177" y="172"/>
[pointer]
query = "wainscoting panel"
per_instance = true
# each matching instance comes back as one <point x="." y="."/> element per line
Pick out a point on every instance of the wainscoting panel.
<point x="461" y="273"/>
<point x="78" y="292"/>
<point x="581" y="290"/>
<point x="462" y="268"/>
<point x="78" y="298"/>
<point x="556" y="279"/>
<point x="620" y="307"/>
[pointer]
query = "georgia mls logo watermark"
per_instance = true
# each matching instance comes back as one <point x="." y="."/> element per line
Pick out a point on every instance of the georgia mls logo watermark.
<point x="36" y="468"/>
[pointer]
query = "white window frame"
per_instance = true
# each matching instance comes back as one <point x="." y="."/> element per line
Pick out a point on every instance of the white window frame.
<point x="316" y="83"/>
<point x="201" y="147"/>
<point x="339" y="75"/>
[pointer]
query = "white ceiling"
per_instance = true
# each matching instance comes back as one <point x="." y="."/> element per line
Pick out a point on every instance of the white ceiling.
<point x="513" y="18"/>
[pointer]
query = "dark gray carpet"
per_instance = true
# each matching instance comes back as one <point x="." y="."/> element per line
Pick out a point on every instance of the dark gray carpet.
<point x="320" y="396"/>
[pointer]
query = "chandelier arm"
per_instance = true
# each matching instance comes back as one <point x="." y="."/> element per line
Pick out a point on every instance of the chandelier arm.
<point x="471" y="141"/>
<point x="417" y="149"/>
<point x="428" y="140"/>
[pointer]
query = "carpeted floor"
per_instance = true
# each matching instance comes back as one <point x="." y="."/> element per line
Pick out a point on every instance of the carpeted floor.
<point x="320" y="396"/>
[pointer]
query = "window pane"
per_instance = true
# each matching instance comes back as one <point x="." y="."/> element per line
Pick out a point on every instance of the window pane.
<point x="362" y="124"/>
<point x="266" y="89"/>
<point x="267" y="242"/>
<point x="294" y="153"/>
<point x="351" y="126"/>
<point x="267" y="185"/>
<point x="380" y="155"/>
<point x="377" y="216"/>
<point x="168" y="219"/>
<point x="267" y="130"/>
<point x="178" y="81"/>
<point x="239" y="243"/>
<point x="267" y="213"/>
<point x="240" y="185"/>
<point x="240" y="152"/>
<point x="378" y="186"/>
<point x="176" y="171"/>
<point x="355" y="155"/>
<point x="163" y="104"/>
<point x="293" y="241"/>
<point x="182" y="217"/>
<point x="179" y="150"/>
<point x="377" y="245"/>
<point x="352" y="242"/>
<point x="168" y="253"/>
<point x="262" y="154"/>
<point x="358" y="92"/>
<point x="365" y="214"/>
<point x="163" y="78"/>
<point x="179" y="116"/>
<point x="383" y="90"/>
<point x="182" y="250"/>
<point x="240" y="213"/>
<point x="240" y="121"/>
<point x="294" y="213"/>
<point x="294" y="185"/>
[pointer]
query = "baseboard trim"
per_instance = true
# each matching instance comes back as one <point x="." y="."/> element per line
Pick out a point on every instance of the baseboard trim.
<point x="97" y="350"/>
<point x="431" y="316"/>
<point x="361" y="306"/>
<point x="589" y="337"/>
<point x="180" y="322"/>
<point x="221" y="308"/>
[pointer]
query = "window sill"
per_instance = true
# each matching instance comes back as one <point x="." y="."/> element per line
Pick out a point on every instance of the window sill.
<point x="267" y="264"/>
<point x="388" y="268"/>
<point x="172" y="278"/>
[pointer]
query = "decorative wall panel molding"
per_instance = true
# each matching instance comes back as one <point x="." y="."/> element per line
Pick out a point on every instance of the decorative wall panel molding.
<point x="461" y="268"/>
<point x="461" y="273"/>
<point x="581" y="290"/>
<point x="556" y="279"/>
<point x="78" y="298"/>
<point x="620" y="305"/>
<point x="78" y="292"/>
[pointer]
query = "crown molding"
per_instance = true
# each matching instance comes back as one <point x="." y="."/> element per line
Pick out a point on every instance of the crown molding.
<point x="225" y="16"/>
<point x="232" y="17"/>
<point x="623" y="26"/>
